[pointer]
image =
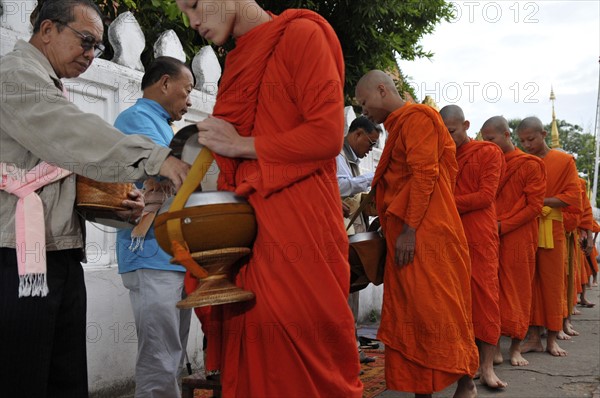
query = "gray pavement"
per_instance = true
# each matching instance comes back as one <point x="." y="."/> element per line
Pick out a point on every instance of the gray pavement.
<point x="576" y="375"/>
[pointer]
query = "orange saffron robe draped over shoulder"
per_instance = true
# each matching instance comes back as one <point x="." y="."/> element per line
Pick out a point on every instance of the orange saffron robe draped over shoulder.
<point x="480" y="167"/>
<point x="426" y="316"/>
<point x="519" y="203"/>
<point x="549" y="295"/>
<point x="283" y="85"/>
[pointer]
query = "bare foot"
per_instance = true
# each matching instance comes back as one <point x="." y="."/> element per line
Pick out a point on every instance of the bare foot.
<point x="570" y="331"/>
<point x="563" y="336"/>
<point x="587" y="304"/>
<point x="516" y="359"/>
<point x="465" y="388"/>
<point x="576" y="311"/>
<point x="555" y="350"/>
<point x="489" y="378"/>
<point x="498" y="357"/>
<point x="595" y="283"/>
<point x="532" y="346"/>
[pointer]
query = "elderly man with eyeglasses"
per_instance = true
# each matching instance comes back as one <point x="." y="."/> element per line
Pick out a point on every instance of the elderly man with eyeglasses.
<point x="44" y="139"/>
<point x="362" y="137"/>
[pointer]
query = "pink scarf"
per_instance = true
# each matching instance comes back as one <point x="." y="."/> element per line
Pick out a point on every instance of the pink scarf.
<point x="30" y="228"/>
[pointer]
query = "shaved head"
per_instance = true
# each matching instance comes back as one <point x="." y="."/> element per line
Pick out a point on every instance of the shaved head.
<point x="496" y="130"/>
<point x="454" y="120"/>
<point x="497" y="124"/>
<point x="378" y="96"/>
<point x="372" y="79"/>
<point x="452" y="112"/>
<point x="533" y="136"/>
<point x="531" y="123"/>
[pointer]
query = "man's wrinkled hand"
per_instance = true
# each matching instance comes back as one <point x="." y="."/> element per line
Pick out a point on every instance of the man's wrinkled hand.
<point x="135" y="205"/>
<point x="175" y="170"/>
<point x="405" y="246"/>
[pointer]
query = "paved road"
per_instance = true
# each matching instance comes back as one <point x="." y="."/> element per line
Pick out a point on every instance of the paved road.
<point x="577" y="375"/>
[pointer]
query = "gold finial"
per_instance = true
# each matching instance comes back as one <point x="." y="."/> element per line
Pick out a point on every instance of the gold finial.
<point x="554" y="128"/>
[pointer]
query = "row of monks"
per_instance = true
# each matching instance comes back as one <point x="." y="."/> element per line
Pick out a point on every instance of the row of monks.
<point x="530" y="229"/>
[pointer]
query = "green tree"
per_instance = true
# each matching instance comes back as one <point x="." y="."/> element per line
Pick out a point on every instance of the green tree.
<point x="371" y="33"/>
<point x="582" y="145"/>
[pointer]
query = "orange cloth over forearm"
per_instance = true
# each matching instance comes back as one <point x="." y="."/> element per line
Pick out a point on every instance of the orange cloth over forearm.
<point x="521" y="192"/>
<point x="480" y="167"/>
<point x="283" y="85"/>
<point x="414" y="182"/>
<point x="549" y="293"/>
<point x="518" y="205"/>
<point x="482" y="176"/>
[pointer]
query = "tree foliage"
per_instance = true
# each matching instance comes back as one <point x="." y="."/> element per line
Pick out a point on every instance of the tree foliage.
<point x="371" y="32"/>
<point x="582" y="145"/>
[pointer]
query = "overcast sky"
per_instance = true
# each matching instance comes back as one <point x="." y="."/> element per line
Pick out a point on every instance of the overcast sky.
<point x="502" y="57"/>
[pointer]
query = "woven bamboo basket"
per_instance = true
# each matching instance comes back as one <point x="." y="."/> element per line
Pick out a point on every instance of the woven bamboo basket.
<point x="99" y="201"/>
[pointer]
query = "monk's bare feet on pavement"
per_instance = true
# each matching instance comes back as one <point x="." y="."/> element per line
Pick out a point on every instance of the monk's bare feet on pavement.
<point x="587" y="304"/>
<point x="498" y="355"/>
<point x="563" y="336"/>
<point x="576" y="311"/>
<point x="489" y="378"/>
<point x="465" y="388"/>
<point x="552" y="346"/>
<point x="568" y="328"/>
<point x="516" y="359"/>
<point x="534" y="341"/>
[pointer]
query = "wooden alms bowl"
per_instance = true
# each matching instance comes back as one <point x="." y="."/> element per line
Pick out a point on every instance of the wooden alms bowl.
<point x="209" y="221"/>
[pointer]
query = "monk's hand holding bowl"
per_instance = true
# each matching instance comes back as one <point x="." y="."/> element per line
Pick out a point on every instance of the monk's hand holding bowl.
<point x="222" y="138"/>
<point x="405" y="246"/>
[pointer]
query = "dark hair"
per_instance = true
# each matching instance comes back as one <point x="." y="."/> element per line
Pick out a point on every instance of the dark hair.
<point x="361" y="122"/>
<point x="59" y="11"/>
<point x="163" y="66"/>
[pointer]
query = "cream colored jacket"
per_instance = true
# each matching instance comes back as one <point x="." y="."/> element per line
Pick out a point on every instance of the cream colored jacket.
<point x="38" y="123"/>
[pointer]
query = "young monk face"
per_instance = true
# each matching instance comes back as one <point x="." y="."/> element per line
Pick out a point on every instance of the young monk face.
<point x="372" y="102"/>
<point x="533" y="141"/>
<point x="458" y="130"/>
<point x="501" y="139"/>
<point x="213" y="19"/>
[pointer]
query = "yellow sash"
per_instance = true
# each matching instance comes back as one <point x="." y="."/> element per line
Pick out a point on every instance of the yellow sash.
<point x="545" y="238"/>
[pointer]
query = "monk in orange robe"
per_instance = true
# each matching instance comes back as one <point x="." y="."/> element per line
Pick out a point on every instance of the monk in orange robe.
<point x="277" y="128"/>
<point x="518" y="205"/>
<point x="429" y="342"/>
<point x="572" y="260"/>
<point x="592" y="258"/>
<point x="562" y="195"/>
<point x="480" y="167"/>
<point x="586" y="241"/>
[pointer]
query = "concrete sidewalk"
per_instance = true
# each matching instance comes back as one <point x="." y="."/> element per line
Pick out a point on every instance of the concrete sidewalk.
<point x="576" y="375"/>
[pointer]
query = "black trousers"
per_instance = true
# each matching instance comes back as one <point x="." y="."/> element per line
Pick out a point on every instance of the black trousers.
<point x="43" y="339"/>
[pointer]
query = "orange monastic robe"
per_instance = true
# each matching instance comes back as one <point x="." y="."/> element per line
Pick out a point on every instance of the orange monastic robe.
<point x="586" y="224"/>
<point x="426" y="316"/>
<point x="519" y="203"/>
<point x="594" y="255"/>
<point x="549" y="293"/>
<point x="283" y="85"/>
<point x="480" y="167"/>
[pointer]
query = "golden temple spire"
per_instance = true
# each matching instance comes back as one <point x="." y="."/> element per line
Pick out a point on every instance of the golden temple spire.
<point x="554" y="129"/>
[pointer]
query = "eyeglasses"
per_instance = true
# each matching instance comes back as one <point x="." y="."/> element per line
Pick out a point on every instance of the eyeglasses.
<point x="87" y="42"/>
<point x="371" y="142"/>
